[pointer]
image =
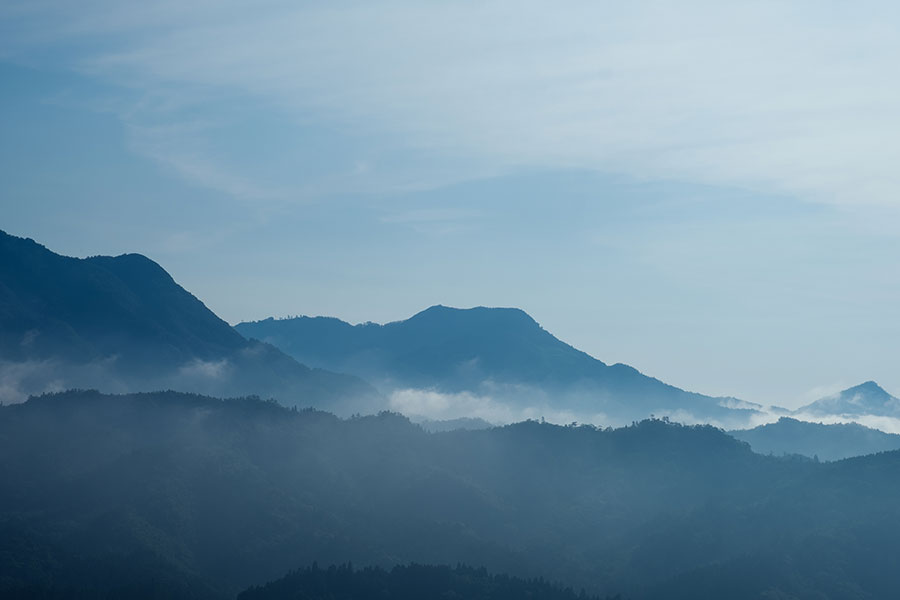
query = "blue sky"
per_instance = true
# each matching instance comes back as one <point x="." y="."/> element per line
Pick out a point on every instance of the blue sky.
<point x="706" y="192"/>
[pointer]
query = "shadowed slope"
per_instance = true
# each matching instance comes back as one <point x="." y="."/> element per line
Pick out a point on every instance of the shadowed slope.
<point x="122" y="323"/>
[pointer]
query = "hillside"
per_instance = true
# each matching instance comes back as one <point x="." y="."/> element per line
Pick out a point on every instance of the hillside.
<point x="817" y="440"/>
<point x="188" y="496"/>
<point x="408" y="582"/>
<point x="123" y="324"/>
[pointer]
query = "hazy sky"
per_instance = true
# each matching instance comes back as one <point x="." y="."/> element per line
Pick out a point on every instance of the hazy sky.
<point x="706" y="191"/>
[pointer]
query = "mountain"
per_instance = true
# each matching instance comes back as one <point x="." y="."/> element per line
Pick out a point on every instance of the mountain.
<point x="825" y="442"/>
<point x="122" y="323"/>
<point x="497" y="353"/>
<point x="866" y="399"/>
<point x="406" y="582"/>
<point x="453" y="424"/>
<point x="169" y="495"/>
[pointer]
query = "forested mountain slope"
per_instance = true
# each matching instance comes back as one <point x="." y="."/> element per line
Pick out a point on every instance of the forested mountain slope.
<point x="817" y="440"/>
<point x="123" y="324"/>
<point x="188" y="496"/>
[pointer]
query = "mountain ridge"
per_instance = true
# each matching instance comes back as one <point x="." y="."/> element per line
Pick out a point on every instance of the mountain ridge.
<point x="835" y="441"/>
<point x="480" y="350"/>
<point x="122" y="323"/>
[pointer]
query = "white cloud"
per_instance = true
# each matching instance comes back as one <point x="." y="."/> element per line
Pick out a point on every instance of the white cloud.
<point x="202" y="370"/>
<point x="19" y="380"/>
<point x="511" y="404"/>
<point x="435" y="405"/>
<point x="16" y="377"/>
<point x="792" y="98"/>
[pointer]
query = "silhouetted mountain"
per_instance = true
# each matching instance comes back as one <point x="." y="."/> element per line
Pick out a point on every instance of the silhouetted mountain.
<point x="170" y="495"/>
<point x="453" y="424"/>
<point x="825" y="442"/>
<point x="496" y="352"/>
<point x="410" y="582"/>
<point x="865" y="399"/>
<point x="122" y="323"/>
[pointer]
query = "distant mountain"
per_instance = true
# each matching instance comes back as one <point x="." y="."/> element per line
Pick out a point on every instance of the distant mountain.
<point x="826" y="442"/>
<point x="865" y="399"/>
<point x="501" y="353"/>
<point x="122" y="323"/>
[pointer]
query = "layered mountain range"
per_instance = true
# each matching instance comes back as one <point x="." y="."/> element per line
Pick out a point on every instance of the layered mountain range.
<point x="122" y="324"/>
<point x="181" y="495"/>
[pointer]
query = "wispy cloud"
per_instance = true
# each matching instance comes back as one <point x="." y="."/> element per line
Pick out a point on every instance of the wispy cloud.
<point x="791" y="98"/>
<point x="436" y="221"/>
<point x="170" y="145"/>
<point x="431" y="215"/>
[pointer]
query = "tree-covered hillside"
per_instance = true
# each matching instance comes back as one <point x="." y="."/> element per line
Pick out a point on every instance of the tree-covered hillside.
<point x="817" y="440"/>
<point x="170" y="495"/>
<point x="407" y="582"/>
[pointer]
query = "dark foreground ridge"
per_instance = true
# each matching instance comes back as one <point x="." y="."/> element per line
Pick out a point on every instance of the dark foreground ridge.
<point x="407" y="582"/>
<point x="168" y="495"/>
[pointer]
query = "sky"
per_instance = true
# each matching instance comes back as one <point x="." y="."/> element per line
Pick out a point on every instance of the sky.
<point x="707" y="191"/>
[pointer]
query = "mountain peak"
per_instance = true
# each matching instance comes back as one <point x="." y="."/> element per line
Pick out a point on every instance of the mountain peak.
<point x="501" y="354"/>
<point x="439" y="311"/>
<point x="867" y="387"/>
<point x="481" y="322"/>
<point x="867" y="398"/>
<point x="134" y="267"/>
